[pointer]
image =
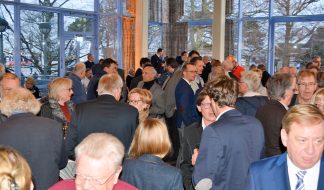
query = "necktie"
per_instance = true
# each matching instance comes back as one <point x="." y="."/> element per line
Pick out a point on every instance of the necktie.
<point x="300" y="182"/>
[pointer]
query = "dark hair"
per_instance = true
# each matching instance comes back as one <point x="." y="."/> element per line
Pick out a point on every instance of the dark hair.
<point x="144" y="60"/>
<point x="201" y="96"/>
<point x="262" y="67"/>
<point x="148" y="65"/>
<point x="107" y="63"/>
<point x="171" y="62"/>
<point x="182" y="53"/>
<point x="193" y="52"/>
<point x="184" y="67"/>
<point x="159" y="50"/>
<point x="223" y="91"/>
<point x="195" y="59"/>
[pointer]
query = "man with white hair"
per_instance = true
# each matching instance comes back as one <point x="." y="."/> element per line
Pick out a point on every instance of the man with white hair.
<point x="98" y="164"/>
<point x="104" y="114"/>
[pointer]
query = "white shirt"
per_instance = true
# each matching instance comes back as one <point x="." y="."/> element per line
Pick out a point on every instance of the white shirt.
<point x="310" y="179"/>
<point x="194" y="84"/>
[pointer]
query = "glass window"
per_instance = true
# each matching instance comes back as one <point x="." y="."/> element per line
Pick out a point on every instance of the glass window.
<point x="86" y="5"/>
<point x="298" y="7"/>
<point x="297" y="42"/>
<point x="198" y="9"/>
<point x="255" y="8"/>
<point x="255" y="43"/>
<point x="7" y="37"/>
<point x="108" y="6"/>
<point x="200" y="39"/>
<point x="108" y="42"/>
<point x="77" y="24"/>
<point x="154" y="38"/>
<point x="39" y="46"/>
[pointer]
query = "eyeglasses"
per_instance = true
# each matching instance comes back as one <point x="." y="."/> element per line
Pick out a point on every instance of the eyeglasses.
<point x="304" y="84"/>
<point x="134" y="102"/>
<point x="94" y="181"/>
<point x="205" y="105"/>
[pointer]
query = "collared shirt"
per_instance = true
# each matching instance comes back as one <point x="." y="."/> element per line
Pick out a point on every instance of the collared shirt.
<point x="197" y="83"/>
<point x="186" y="81"/>
<point x="203" y="125"/>
<point x="311" y="176"/>
<point x="286" y="107"/>
<point x="223" y="113"/>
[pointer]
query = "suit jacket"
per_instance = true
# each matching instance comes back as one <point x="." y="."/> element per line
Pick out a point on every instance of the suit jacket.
<point x="191" y="138"/>
<point x="271" y="115"/>
<point x="93" y="86"/>
<point x="227" y="148"/>
<point x="205" y="73"/>
<point x="149" y="172"/>
<point x="186" y="104"/>
<point x="248" y="105"/>
<point x="79" y="94"/>
<point x="272" y="173"/>
<point x="170" y="102"/>
<point x="103" y="114"/>
<point x="157" y="63"/>
<point x="40" y="141"/>
<point x="158" y="99"/>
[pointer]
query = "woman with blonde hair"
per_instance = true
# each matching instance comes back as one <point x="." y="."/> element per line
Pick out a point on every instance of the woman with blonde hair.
<point x="141" y="99"/>
<point x="145" y="168"/>
<point x="59" y="105"/>
<point x="318" y="99"/>
<point x="14" y="171"/>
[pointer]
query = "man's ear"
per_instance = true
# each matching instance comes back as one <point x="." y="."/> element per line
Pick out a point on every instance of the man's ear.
<point x="199" y="108"/>
<point x="284" y="137"/>
<point x="117" y="174"/>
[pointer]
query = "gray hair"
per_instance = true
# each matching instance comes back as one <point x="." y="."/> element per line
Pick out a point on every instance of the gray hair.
<point x="252" y="80"/>
<point x="19" y="100"/>
<point x="278" y="84"/>
<point x="79" y="67"/>
<point x="102" y="146"/>
<point x="109" y="83"/>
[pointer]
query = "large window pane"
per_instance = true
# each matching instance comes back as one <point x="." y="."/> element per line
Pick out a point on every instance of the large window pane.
<point x="198" y="9"/>
<point x="108" y="43"/>
<point x="154" y="38"/>
<point x="255" y="43"/>
<point x="39" y="45"/>
<point x="87" y="5"/>
<point x="298" y="7"/>
<point x="255" y="8"/>
<point x="7" y="37"/>
<point x="297" y="42"/>
<point x="77" y="24"/>
<point x="200" y="39"/>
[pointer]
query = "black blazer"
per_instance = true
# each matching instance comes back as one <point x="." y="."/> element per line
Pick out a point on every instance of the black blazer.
<point x="103" y="114"/>
<point x="271" y="115"/>
<point x="40" y="141"/>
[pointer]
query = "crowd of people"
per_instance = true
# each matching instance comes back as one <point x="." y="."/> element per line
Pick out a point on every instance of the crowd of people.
<point x="188" y="122"/>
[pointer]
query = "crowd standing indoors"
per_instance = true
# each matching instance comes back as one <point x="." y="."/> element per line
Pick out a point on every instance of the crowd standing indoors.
<point x="184" y="123"/>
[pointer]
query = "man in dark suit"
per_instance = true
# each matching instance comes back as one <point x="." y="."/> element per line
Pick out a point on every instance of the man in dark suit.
<point x="104" y="114"/>
<point x="139" y="72"/>
<point x="157" y="60"/>
<point x="280" y="91"/>
<point x="229" y="145"/>
<point x="302" y="166"/>
<point x="79" y="93"/>
<point x="207" y="68"/>
<point x="186" y="113"/>
<point x="90" y="62"/>
<point x="38" y="139"/>
<point x="192" y="136"/>
<point x="108" y="66"/>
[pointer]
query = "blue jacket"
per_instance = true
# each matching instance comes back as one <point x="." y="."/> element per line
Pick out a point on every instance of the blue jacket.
<point x="272" y="173"/>
<point x="186" y="104"/>
<point x="227" y="148"/>
<point x="149" y="172"/>
<point x="79" y="93"/>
